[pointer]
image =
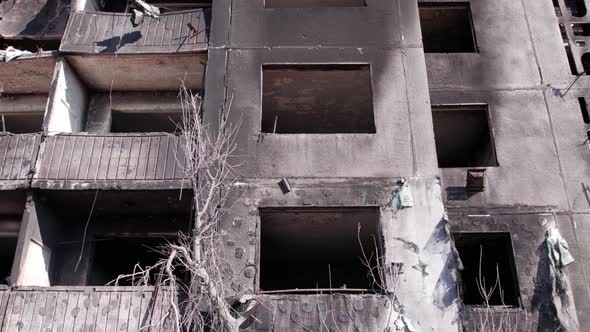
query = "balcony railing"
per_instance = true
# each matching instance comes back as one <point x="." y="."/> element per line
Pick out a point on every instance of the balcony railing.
<point x="103" y="32"/>
<point x="86" y="309"/>
<point x="126" y="161"/>
<point x="17" y="159"/>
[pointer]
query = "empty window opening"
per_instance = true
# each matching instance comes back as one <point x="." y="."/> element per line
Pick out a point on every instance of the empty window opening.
<point x="9" y="228"/>
<point x="7" y="251"/>
<point x="142" y="122"/>
<point x="463" y="137"/>
<point x="447" y="28"/>
<point x="556" y="7"/>
<point x="114" y="256"/>
<point x="576" y="8"/>
<point x="128" y="228"/>
<point x="21" y="122"/>
<point x="314" y="249"/>
<point x="31" y="45"/>
<point x="317" y="99"/>
<point x="586" y="63"/>
<point x="492" y="254"/>
<point x="581" y="29"/>
<point x="584" y="109"/>
<point x="313" y="3"/>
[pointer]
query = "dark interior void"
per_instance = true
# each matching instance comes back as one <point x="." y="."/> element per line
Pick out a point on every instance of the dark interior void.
<point x="143" y="122"/>
<point x="576" y="7"/>
<point x="114" y="256"/>
<point x="125" y="228"/>
<point x="114" y="6"/>
<point x="317" y="99"/>
<point x="22" y="122"/>
<point x="581" y="29"/>
<point x="313" y="3"/>
<point x="12" y="207"/>
<point x="584" y="109"/>
<point x="447" y="27"/>
<point x="313" y="248"/>
<point x="7" y="251"/>
<point x="121" y="6"/>
<point x="463" y="136"/>
<point x="586" y="63"/>
<point x="494" y="251"/>
<point x="31" y="45"/>
<point x="176" y="5"/>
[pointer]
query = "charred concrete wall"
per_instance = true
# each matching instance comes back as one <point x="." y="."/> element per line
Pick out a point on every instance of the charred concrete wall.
<point x="424" y="258"/>
<point x="521" y="73"/>
<point x="518" y="69"/>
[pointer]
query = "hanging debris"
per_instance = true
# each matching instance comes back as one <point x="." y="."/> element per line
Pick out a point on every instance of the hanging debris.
<point x="405" y="196"/>
<point x="559" y="258"/>
<point x="13" y="53"/>
<point x="141" y="9"/>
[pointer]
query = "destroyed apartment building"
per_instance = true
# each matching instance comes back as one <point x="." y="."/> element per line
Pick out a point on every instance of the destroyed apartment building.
<point x="401" y="165"/>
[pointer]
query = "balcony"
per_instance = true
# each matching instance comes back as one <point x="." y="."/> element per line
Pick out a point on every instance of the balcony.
<point x="109" y="33"/>
<point x="17" y="159"/>
<point x="110" y="161"/>
<point x="85" y="308"/>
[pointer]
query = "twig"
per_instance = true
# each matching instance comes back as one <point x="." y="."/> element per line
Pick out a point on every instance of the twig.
<point x="85" y="230"/>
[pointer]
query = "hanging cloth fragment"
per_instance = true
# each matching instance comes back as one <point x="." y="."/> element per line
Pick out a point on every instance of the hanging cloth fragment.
<point x="13" y="53"/>
<point x="561" y="293"/>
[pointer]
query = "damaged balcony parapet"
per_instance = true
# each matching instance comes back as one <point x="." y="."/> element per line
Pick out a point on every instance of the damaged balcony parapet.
<point x="339" y="312"/>
<point x="111" y="161"/>
<point x="27" y="73"/>
<point x="91" y="308"/>
<point x="18" y="154"/>
<point x="109" y="33"/>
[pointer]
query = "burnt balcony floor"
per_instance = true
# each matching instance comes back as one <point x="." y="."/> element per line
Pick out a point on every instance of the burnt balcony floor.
<point x="109" y="33"/>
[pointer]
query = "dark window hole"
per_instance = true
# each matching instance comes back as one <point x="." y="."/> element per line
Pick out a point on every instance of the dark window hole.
<point x="492" y="254"/>
<point x="317" y="99"/>
<point x="309" y="250"/>
<point x="447" y="27"/>
<point x="584" y="109"/>
<point x="463" y="136"/>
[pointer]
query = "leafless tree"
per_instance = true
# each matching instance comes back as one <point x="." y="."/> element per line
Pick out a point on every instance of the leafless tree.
<point x="194" y="264"/>
<point x="497" y="318"/>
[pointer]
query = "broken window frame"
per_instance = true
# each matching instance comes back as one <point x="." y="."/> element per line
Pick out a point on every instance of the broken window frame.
<point x="446" y="107"/>
<point x="512" y="267"/>
<point x="379" y="240"/>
